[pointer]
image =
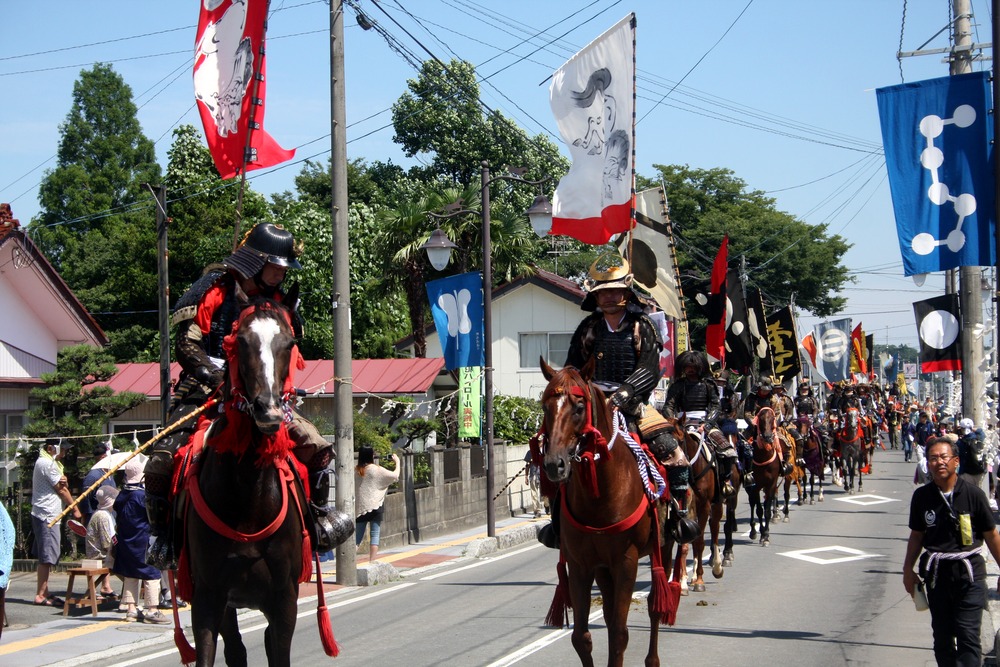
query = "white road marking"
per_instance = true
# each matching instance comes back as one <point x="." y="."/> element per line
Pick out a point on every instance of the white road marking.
<point x="539" y="644"/>
<point x="866" y="499"/>
<point x="806" y="555"/>
<point x="485" y="561"/>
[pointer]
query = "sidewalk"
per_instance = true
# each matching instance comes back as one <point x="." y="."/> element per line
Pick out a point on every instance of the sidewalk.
<point x="40" y="635"/>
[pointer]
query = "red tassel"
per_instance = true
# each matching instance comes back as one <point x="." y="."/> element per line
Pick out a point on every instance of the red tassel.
<point x="673" y="601"/>
<point x="658" y="594"/>
<point x="322" y="617"/>
<point x="558" y="615"/>
<point x="188" y="654"/>
<point x="307" y="559"/>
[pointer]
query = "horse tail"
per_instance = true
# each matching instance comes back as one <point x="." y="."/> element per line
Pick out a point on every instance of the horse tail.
<point x="558" y="616"/>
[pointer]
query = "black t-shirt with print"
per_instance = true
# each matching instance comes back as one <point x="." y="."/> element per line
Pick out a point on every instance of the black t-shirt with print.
<point x="931" y="515"/>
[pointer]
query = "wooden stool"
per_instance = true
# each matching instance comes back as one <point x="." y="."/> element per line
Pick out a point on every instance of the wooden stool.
<point x="94" y="576"/>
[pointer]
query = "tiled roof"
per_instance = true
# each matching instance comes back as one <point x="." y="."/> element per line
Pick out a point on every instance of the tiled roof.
<point x="370" y="376"/>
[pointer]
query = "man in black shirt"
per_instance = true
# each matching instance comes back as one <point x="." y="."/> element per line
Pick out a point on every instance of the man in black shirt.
<point x="950" y="519"/>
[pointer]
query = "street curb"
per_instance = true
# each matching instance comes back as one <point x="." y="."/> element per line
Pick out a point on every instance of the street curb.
<point x="379" y="572"/>
<point x="482" y="547"/>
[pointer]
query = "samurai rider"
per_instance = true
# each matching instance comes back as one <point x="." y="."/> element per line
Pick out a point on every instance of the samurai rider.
<point x="762" y="397"/>
<point x="625" y="346"/>
<point x="694" y="395"/>
<point x="204" y="316"/>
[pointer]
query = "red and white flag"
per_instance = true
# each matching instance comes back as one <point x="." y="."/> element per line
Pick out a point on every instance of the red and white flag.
<point x="228" y="54"/>
<point x="593" y="99"/>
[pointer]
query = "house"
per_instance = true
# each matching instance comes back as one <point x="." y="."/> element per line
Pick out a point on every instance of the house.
<point x="374" y="381"/>
<point x="41" y="316"/>
<point x="532" y="316"/>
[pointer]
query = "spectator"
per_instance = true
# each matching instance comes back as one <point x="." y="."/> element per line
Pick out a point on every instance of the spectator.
<point x="6" y="559"/>
<point x="49" y="493"/>
<point x="533" y="476"/>
<point x="972" y="462"/>
<point x="371" y="482"/>
<point x="133" y="538"/>
<point x="89" y="504"/>
<point x="101" y="533"/>
<point x="950" y="519"/>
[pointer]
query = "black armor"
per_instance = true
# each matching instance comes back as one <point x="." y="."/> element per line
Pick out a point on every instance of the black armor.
<point x="684" y="396"/>
<point x="805" y="405"/>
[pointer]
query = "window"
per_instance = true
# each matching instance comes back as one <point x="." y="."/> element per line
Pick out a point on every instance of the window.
<point x="552" y="346"/>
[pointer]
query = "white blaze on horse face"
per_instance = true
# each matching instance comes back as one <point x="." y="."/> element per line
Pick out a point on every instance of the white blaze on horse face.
<point x="266" y="330"/>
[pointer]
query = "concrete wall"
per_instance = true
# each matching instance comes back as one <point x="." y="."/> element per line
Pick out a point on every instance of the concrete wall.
<point x="415" y="513"/>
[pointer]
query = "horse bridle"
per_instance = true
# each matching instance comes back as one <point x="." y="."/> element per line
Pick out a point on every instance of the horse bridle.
<point x="237" y="390"/>
<point x="589" y="438"/>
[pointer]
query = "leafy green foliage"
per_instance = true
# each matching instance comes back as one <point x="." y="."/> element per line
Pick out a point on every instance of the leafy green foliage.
<point x="97" y="224"/>
<point x="73" y="404"/>
<point x="784" y="256"/>
<point x="515" y="419"/>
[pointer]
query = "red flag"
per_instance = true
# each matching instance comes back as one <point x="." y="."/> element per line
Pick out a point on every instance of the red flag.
<point x="809" y="345"/>
<point x="228" y="56"/>
<point x="715" y="334"/>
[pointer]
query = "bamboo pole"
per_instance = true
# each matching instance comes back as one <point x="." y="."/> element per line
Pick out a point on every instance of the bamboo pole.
<point x="170" y="428"/>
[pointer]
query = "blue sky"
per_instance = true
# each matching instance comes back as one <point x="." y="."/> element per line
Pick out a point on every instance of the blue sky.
<point x="782" y="95"/>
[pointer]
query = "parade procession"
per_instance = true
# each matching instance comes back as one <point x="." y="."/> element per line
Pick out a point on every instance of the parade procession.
<point x="569" y="333"/>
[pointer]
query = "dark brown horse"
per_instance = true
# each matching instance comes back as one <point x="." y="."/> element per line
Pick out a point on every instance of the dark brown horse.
<point x="244" y="522"/>
<point x="812" y="455"/>
<point x="707" y="504"/>
<point x="607" y="520"/>
<point x="766" y="473"/>
<point x="850" y="439"/>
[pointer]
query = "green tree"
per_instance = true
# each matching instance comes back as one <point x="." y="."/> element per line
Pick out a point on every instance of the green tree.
<point x="784" y="257"/>
<point x="73" y="404"/>
<point x="202" y="209"/>
<point x="97" y="220"/>
<point x="441" y="119"/>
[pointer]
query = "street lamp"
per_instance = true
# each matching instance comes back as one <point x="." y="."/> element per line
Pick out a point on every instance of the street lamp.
<point x="540" y="214"/>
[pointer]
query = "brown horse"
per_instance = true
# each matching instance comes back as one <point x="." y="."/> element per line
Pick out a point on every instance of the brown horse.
<point x="812" y="455"/>
<point x="707" y="503"/>
<point x="607" y="520"/>
<point x="790" y="455"/>
<point x="244" y="523"/>
<point x="850" y="440"/>
<point x="766" y="473"/>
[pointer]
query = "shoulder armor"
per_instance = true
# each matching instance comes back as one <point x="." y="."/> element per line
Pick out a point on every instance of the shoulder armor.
<point x="187" y="305"/>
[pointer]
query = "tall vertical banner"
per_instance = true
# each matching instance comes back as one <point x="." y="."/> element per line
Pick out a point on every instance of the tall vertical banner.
<point x="715" y="306"/>
<point x="457" y="308"/>
<point x="937" y="136"/>
<point x="739" y="346"/>
<point x="469" y="401"/>
<point x="228" y="56"/>
<point x="666" y="329"/>
<point x="593" y="99"/>
<point x="650" y="253"/>
<point x="809" y="346"/>
<point x="859" y="355"/>
<point x="939" y="324"/>
<point x="782" y="337"/>
<point x="870" y="346"/>
<point x="834" y="349"/>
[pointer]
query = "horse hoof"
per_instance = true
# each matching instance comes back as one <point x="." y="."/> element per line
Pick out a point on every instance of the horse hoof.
<point x="812" y="502"/>
<point x="728" y="562"/>
<point x="799" y="502"/>
<point x="717" y="572"/>
<point x="821" y="497"/>
<point x="765" y="543"/>
<point x="698" y="588"/>
<point x="784" y="519"/>
<point x="753" y="534"/>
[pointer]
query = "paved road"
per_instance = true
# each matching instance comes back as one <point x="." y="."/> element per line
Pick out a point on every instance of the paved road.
<point x="828" y="591"/>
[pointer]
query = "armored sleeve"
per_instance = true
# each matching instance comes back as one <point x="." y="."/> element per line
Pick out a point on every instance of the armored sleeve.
<point x="581" y="345"/>
<point x="675" y="396"/>
<point x="640" y="384"/>
<point x="714" y="404"/>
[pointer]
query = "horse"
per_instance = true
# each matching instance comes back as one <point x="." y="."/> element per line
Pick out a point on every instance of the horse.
<point x="607" y="520"/>
<point x="812" y="455"/>
<point x="766" y="472"/>
<point x="789" y="453"/>
<point x="246" y="540"/>
<point x="849" y="438"/>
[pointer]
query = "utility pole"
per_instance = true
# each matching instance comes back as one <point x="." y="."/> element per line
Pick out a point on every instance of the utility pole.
<point x="343" y="381"/>
<point x="970" y="277"/>
<point x="163" y="308"/>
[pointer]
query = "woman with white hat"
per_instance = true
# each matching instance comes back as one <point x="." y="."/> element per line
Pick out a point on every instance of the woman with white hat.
<point x="101" y="533"/>
<point x="133" y="538"/>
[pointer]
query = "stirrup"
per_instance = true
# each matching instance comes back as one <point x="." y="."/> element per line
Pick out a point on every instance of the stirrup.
<point x="548" y="536"/>
<point x="333" y="527"/>
<point x="727" y="488"/>
<point x="748" y="478"/>
<point x="160" y="554"/>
